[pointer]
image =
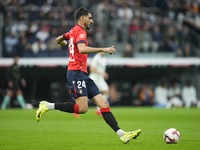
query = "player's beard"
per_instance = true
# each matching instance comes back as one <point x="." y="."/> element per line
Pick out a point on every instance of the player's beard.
<point x="87" y="26"/>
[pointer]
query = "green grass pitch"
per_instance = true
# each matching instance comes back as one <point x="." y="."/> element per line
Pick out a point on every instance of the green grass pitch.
<point x="62" y="131"/>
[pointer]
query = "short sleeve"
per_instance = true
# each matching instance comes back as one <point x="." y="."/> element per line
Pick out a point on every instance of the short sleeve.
<point x="81" y="37"/>
<point x="66" y="36"/>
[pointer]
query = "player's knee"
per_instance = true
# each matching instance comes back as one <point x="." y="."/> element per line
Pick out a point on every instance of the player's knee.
<point x="19" y="92"/>
<point x="10" y="94"/>
<point x="83" y="110"/>
<point x="106" y="104"/>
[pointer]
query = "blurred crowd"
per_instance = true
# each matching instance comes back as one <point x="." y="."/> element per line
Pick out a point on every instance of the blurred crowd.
<point x="165" y="94"/>
<point x="151" y="26"/>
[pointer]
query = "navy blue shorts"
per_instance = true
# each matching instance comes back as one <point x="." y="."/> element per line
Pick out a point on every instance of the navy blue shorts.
<point x="81" y="84"/>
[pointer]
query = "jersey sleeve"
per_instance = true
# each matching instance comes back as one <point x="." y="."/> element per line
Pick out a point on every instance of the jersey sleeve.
<point x="81" y="37"/>
<point x="66" y="36"/>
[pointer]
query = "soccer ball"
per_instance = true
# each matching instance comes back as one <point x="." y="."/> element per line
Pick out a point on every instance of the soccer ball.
<point x="29" y="106"/>
<point x="171" y="136"/>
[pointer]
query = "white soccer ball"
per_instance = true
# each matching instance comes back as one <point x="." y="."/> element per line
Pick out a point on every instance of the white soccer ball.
<point x="171" y="136"/>
<point x="29" y="106"/>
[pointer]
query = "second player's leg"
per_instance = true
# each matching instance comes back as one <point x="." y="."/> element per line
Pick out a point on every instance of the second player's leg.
<point x="100" y="101"/>
<point x="20" y="98"/>
<point x="6" y="99"/>
<point x="105" y="94"/>
<point x="104" y="89"/>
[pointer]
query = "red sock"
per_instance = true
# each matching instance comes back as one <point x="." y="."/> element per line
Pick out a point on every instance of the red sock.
<point x="76" y="108"/>
<point x="107" y="109"/>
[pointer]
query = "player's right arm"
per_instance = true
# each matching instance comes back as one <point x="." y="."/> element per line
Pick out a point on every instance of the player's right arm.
<point x="61" y="40"/>
<point x="94" y="70"/>
<point x="87" y="50"/>
<point x="104" y="74"/>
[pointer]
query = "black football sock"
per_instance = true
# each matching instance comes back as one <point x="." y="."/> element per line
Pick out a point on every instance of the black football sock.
<point x="109" y="118"/>
<point x="67" y="107"/>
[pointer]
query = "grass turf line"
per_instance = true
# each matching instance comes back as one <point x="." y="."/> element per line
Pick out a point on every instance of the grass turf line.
<point x="61" y="131"/>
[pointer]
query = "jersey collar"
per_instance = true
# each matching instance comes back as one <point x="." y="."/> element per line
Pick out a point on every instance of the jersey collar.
<point x="79" y="26"/>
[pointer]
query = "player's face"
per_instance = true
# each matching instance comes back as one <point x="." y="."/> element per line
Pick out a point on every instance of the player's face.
<point x="88" y="21"/>
<point x="16" y="59"/>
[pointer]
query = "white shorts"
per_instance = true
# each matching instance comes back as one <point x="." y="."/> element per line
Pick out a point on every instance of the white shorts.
<point x="176" y="101"/>
<point x="101" y="83"/>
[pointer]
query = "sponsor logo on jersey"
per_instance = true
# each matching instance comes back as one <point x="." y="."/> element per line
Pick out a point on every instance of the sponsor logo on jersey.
<point x="82" y="36"/>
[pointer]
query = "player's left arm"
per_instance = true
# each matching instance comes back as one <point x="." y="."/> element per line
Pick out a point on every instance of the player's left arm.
<point x="87" y="50"/>
<point x="61" y="40"/>
<point x="94" y="70"/>
<point x="104" y="74"/>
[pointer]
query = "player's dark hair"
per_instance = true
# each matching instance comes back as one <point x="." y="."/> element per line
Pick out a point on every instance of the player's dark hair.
<point x="82" y="12"/>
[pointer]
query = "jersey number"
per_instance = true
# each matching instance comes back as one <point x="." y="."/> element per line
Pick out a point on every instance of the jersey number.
<point x="81" y="85"/>
<point x="71" y="46"/>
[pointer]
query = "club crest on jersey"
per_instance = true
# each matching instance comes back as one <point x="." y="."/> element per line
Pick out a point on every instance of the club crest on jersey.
<point x="82" y="36"/>
<point x="80" y="91"/>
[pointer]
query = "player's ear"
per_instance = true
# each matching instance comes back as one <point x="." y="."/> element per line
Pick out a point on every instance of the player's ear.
<point x="82" y="18"/>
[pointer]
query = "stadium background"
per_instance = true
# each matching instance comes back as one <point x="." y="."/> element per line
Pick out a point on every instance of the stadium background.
<point x="145" y="30"/>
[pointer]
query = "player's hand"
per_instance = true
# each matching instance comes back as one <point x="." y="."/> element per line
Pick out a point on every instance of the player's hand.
<point x="63" y="43"/>
<point x="105" y="75"/>
<point x="111" y="50"/>
<point x="23" y="82"/>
